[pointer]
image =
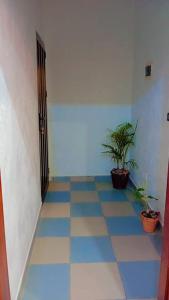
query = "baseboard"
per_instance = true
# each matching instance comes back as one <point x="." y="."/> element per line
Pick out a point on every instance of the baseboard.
<point x="21" y="284"/>
<point x="132" y="182"/>
<point x="53" y="177"/>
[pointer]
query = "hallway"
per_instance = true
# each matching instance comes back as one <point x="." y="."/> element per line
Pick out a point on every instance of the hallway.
<point x="90" y="245"/>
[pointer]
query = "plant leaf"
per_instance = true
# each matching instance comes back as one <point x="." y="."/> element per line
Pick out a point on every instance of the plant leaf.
<point x="151" y="197"/>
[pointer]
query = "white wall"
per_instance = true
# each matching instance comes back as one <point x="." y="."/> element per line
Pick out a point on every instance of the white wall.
<point x="19" y="150"/>
<point x="90" y="51"/>
<point x="151" y="96"/>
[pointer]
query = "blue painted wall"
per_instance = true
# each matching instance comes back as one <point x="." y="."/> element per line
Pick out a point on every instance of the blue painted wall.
<point x="76" y="134"/>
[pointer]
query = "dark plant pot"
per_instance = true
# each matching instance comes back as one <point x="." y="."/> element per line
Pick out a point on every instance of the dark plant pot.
<point x="120" y="178"/>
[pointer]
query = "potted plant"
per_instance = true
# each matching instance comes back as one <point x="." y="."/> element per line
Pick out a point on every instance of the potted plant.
<point x="149" y="217"/>
<point x="119" y="142"/>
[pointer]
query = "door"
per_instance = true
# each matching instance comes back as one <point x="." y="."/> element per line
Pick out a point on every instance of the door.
<point x="42" y="107"/>
<point x="4" y="281"/>
<point x="164" y="273"/>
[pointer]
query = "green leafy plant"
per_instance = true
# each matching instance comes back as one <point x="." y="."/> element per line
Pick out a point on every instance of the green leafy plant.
<point x="142" y="196"/>
<point x="119" y="142"/>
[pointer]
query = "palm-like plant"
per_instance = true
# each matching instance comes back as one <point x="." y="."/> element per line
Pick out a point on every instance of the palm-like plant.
<point x="119" y="142"/>
<point x="141" y="195"/>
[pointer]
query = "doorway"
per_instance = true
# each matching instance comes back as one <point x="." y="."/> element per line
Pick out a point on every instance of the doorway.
<point x="42" y="111"/>
<point x="4" y="280"/>
<point x="164" y="274"/>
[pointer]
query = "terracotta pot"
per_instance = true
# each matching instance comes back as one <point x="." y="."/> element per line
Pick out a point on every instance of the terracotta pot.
<point x="149" y="224"/>
<point x="120" y="178"/>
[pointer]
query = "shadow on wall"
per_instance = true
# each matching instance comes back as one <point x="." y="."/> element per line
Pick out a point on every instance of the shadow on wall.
<point x="11" y="130"/>
<point x="19" y="167"/>
<point x="19" y="151"/>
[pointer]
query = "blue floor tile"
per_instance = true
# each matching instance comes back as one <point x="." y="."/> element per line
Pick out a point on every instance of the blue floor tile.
<point x="157" y="240"/>
<point x="140" y="279"/>
<point x="103" y="179"/>
<point x="53" y="281"/>
<point x="86" y="210"/>
<point x="57" y="197"/>
<point x="124" y="226"/>
<point x="91" y="249"/>
<point x="61" y="179"/>
<point x="138" y="207"/>
<point x="112" y="196"/>
<point x="48" y="282"/>
<point x="53" y="227"/>
<point x="83" y="186"/>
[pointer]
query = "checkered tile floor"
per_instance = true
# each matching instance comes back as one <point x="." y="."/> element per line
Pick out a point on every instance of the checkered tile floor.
<point x="90" y="245"/>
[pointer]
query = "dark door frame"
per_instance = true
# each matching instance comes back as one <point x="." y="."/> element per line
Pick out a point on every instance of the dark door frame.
<point x="164" y="272"/>
<point x="4" y="278"/>
<point x="42" y="111"/>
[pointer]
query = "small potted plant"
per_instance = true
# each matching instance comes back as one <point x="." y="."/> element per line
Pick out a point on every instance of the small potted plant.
<point x="119" y="142"/>
<point x="149" y="217"/>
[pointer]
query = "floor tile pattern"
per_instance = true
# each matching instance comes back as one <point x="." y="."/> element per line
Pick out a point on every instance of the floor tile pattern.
<point x="90" y="245"/>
